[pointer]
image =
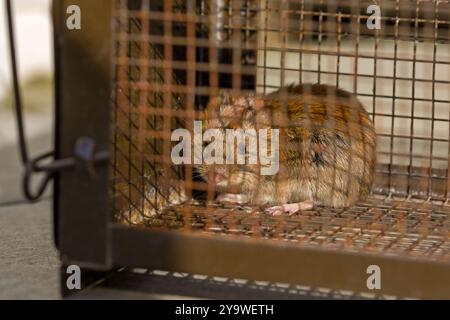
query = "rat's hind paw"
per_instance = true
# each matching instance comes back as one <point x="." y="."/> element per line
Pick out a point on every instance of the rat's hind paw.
<point x="290" y="208"/>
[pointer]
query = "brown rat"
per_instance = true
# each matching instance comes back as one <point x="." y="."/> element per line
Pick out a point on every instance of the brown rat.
<point x="327" y="148"/>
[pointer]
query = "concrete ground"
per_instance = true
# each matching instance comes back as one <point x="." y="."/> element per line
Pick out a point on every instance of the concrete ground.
<point x="29" y="261"/>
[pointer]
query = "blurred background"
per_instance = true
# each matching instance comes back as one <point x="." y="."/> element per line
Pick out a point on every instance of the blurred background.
<point x="28" y="263"/>
<point x="35" y="56"/>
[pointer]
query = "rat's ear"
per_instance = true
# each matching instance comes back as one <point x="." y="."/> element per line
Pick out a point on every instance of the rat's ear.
<point x="251" y="102"/>
<point x="255" y="101"/>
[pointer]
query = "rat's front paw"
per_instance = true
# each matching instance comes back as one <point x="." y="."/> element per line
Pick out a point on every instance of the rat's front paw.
<point x="290" y="208"/>
<point x="232" y="198"/>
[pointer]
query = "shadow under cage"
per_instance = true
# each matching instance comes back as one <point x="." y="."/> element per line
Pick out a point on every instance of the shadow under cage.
<point x="361" y="106"/>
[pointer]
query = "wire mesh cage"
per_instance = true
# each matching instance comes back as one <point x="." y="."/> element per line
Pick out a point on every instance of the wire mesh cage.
<point x="351" y="108"/>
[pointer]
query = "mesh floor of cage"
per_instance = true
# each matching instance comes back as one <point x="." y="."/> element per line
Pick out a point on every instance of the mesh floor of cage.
<point x="172" y="57"/>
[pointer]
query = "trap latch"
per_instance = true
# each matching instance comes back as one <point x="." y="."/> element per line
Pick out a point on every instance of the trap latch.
<point x="84" y="158"/>
<point x="84" y="155"/>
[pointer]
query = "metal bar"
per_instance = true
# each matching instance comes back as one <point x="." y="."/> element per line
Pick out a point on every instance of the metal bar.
<point x="84" y="111"/>
<point x="264" y="260"/>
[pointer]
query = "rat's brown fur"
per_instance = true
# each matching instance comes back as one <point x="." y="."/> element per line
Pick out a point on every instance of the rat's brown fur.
<point x="327" y="146"/>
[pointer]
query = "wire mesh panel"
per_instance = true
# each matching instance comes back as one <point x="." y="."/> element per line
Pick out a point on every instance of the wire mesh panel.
<point x="345" y="116"/>
<point x="399" y="72"/>
<point x="171" y="58"/>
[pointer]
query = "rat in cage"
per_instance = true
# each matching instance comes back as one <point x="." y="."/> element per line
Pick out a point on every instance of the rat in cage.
<point x="327" y="150"/>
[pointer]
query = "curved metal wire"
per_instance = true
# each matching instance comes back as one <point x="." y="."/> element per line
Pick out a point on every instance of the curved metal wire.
<point x="30" y="166"/>
<point x="33" y="166"/>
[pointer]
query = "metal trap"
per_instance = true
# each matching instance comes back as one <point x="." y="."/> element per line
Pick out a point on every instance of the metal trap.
<point x="143" y="69"/>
